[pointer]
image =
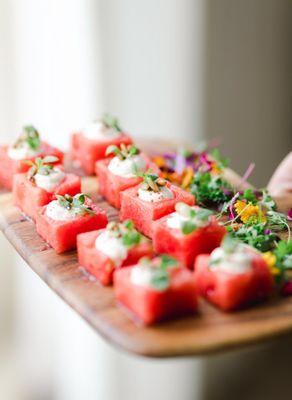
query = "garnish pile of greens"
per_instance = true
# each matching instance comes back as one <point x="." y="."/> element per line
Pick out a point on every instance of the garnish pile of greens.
<point x="160" y="266"/>
<point x="256" y="235"/>
<point x="192" y="217"/>
<point x="283" y="260"/>
<point x="123" y="152"/>
<point x="257" y="222"/>
<point x="77" y="204"/>
<point x="42" y="166"/>
<point x="30" y="136"/>
<point x="126" y="232"/>
<point x="110" y="121"/>
<point x="210" y="190"/>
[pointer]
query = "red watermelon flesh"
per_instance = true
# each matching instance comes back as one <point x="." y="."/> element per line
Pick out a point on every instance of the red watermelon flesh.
<point x="62" y="235"/>
<point x="87" y="151"/>
<point x="110" y="185"/>
<point x="186" y="247"/>
<point x="29" y="197"/>
<point x="148" y="306"/>
<point x="233" y="291"/>
<point x="9" y="166"/>
<point x="99" y="264"/>
<point x="143" y="213"/>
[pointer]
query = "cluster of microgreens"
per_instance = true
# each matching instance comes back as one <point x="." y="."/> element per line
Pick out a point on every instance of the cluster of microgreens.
<point x="257" y="229"/>
<point x="192" y="216"/>
<point x="30" y="136"/>
<point x="123" y="152"/>
<point x="76" y="204"/>
<point x="126" y="232"/>
<point x="210" y="190"/>
<point x="42" y="166"/>
<point x="160" y="266"/>
<point x="110" y="121"/>
<point x="151" y="181"/>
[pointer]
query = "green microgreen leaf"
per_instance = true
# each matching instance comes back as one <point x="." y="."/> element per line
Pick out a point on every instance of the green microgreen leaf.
<point x="131" y="238"/>
<point x="31" y="136"/>
<point x="42" y="166"/>
<point x="188" y="227"/>
<point x="160" y="279"/>
<point x="222" y="161"/>
<point x="76" y="203"/>
<point x="167" y="262"/>
<point x="111" y="122"/>
<point x="112" y="149"/>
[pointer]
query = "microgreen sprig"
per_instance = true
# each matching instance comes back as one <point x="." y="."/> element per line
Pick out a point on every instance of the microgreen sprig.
<point x="151" y="181"/>
<point x="255" y="235"/>
<point x="126" y="232"/>
<point x="111" y="122"/>
<point x="77" y="203"/>
<point x="30" y="136"/>
<point x="42" y="166"/>
<point x="123" y="152"/>
<point x="192" y="216"/>
<point x="160" y="278"/>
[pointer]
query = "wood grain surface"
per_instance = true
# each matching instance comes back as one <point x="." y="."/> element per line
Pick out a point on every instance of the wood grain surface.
<point x="208" y="332"/>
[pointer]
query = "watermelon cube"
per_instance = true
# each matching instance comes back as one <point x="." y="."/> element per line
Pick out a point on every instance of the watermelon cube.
<point x="62" y="234"/>
<point x="186" y="245"/>
<point x="231" y="291"/>
<point x="110" y="185"/>
<point x="10" y="166"/>
<point x="143" y="213"/>
<point x="172" y="296"/>
<point x="100" y="264"/>
<point x="29" y="197"/>
<point x="87" y="150"/>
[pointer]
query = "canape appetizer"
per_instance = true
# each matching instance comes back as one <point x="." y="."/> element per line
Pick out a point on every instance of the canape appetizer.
<point x="235" y="275"/>
<point x="27" y="147"/>
<point x="39" y="186"/>
<point x="156" y="289"/>
<point x="60" y="221"/>
<point x="122" y="171"/>
<point x="152" y="199"/>
<point x="186" y="233"/>
<point x="118" y="245"/>
<point x="90" y="145"/>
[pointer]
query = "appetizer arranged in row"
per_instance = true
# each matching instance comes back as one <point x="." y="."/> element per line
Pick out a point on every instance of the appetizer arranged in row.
<point x="44" y="181"/>
<point x="121" y="172"/>
<point x="89" y="145"/>
<point x="151" y="200"/>
<point x="156" y="289"/>
<point x="104" y="251"/>
<point x="28" y="146"/>
<point x="60" y="221"/>
<point x="233" y="276"/>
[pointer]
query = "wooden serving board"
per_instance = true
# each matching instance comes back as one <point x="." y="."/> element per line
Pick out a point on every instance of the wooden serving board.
<point x="209" y="331"/>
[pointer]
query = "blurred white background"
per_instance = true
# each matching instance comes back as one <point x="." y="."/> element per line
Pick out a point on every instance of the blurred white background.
<point x="172" y="69"/>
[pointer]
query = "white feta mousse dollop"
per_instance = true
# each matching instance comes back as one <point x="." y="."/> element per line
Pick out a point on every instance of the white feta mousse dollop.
<point x="142" y="275"/>
<point x="125" y="168"/>
<point x="153" y="197"/>
<point x="99" y="131"/>
<point x="57" y="212"/>
<point x="237" y="262"/>
<point x="176" y="220"/>
<point x="21" y="152"/>
<point x="111" y="246"/>
<point x="50" y="181"/>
